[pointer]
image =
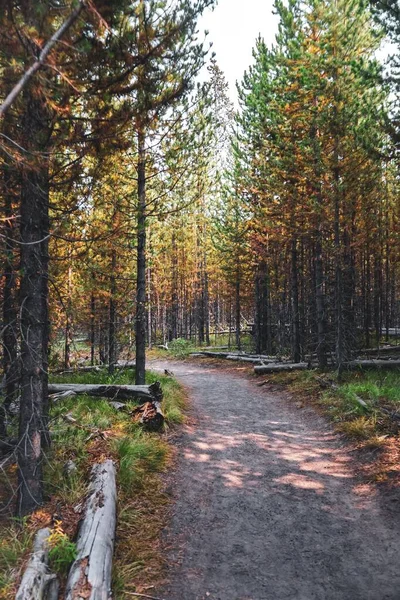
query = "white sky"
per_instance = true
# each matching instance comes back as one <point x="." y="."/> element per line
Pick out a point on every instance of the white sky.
<point x="233" y="28"/>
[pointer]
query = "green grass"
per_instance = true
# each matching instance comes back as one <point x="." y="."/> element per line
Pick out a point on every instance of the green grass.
<point x="139" y="454"/>
<point x="15" y="542"/>
<point x="378" y="389"/>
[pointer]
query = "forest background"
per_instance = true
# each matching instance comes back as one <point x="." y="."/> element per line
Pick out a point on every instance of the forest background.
<point x="141" y="208"/>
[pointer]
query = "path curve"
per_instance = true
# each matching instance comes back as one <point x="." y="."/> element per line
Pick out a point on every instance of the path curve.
<point x="266" y="503"/>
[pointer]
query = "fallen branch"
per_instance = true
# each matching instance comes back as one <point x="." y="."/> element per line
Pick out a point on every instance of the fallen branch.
<point x="27" y="76"/>
<point x="373" y="364"/>
<point x="90" y="574"/>
<point x="279" y="367"/>
<point x="140" y="393"/>
<point x="38" y="583"/>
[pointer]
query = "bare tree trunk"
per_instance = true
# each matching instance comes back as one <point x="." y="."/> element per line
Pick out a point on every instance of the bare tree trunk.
<point x="237" y="309"/>
<point x="10" y="311"/>
<point x="67" y="343"/>
<point x="92" y="327"/>
<point x="141" y="264"/>
<point x="33" y="426"/>
<point x="296" y="342"/>
<point x="112" y="347"/>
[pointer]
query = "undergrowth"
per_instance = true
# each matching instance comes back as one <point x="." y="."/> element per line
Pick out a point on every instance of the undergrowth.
<point x="86" y="430"/>
<point x="364" y="406"/>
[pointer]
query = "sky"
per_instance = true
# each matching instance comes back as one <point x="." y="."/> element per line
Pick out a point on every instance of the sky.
<point x="233" y="27"/>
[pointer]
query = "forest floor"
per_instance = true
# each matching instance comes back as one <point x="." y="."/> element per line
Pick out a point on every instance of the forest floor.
<point x="269" y="502"/>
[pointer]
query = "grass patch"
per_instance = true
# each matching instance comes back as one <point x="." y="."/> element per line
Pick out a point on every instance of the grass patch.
<point x="15" y="543"/>
<point x="139" y="454"/>
<point x="140" y="457"/>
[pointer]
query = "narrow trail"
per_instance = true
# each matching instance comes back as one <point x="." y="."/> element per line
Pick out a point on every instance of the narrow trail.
<point x="267" y="505"/>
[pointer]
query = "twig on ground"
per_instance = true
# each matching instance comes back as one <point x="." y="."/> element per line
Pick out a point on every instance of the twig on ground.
<point x="143" y="596"/>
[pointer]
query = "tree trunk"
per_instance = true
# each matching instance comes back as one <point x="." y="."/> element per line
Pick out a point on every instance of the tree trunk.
<point x="237" y="309"/>
<point x="33" y="426"/>
<point x="296" y="343"/>
<point x="10" y="312"/>
<point x="141" y="264"/>
<point x="112" y="348"/>
<point x="92" y="327"/>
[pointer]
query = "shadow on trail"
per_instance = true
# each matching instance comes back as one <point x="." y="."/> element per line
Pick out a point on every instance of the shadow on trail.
<point x="268" y="507"/>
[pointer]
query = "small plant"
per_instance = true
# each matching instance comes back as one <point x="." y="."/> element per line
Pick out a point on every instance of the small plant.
<point x="180" y="348"/>
<point x="62" y="551"/>
<point x="361" y="428"/>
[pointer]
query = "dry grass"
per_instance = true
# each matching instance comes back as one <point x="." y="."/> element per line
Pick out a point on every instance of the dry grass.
<point x="139" y="561"/>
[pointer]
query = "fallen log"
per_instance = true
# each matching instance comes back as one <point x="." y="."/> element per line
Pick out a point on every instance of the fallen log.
<point x="381" y="350"/>
<point x="238" y="358"/>
<point x="90" y="574"/>
<point x="140" y="393"/>
<point x="38" y="583"/>
<point x="373" y="364"/>
<point x="210" y="354"/>
<point x="279" y="367"/>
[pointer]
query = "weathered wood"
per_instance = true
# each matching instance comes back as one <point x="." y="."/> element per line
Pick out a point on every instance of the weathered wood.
<point x="211" y="354"/>
<point x="378" y="352"/>
<point x="119" y="364"/>
<point x="115" y="392"/>
<point x="62" y="395"/>
<point x="237" y="356"/>
<point x="248" y="359"/>
<point x="278" y="367"/>
<point x="371" y="364"/>
<point x="90" y="574"/>
<point x="152" y="417"/>
<point x="38" y="583"/>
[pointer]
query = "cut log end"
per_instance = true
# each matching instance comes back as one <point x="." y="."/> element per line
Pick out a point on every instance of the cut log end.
<point x="38" y="583"/>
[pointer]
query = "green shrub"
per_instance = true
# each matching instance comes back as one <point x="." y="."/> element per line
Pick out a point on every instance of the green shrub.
<point x="62" y="551"/>
<point x="180" y="348"/>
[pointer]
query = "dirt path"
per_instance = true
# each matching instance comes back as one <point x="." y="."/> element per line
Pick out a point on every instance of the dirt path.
<point x="267" y="506"/>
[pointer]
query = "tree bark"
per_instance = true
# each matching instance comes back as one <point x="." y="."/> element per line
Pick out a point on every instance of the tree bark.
<point x="33" y="427"/>
<point x="296" y="343"/>
<point x="112" y="348"/>
<point x="38" y="583"/>
<point x="10" y="312"/>
<point x="90" y="574"/>
<point x="140" y="393"/>
<point x="141" y="263"/>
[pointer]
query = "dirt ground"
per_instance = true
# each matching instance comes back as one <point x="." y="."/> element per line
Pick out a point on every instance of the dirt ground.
<point x="268" y="504"/>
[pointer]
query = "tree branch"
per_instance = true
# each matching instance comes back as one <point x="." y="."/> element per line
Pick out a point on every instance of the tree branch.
<point x="27" y="76"/>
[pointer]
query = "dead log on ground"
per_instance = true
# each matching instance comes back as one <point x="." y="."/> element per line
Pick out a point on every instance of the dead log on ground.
<point x="140" y="393"/>
<point x="38" y="583"/>
<point x="280" y="367"/>
<point x="210" y="354"/>
<point x="383" y="350"/>
<point x="90" y="574"/>
<point x="373" y="364"/>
